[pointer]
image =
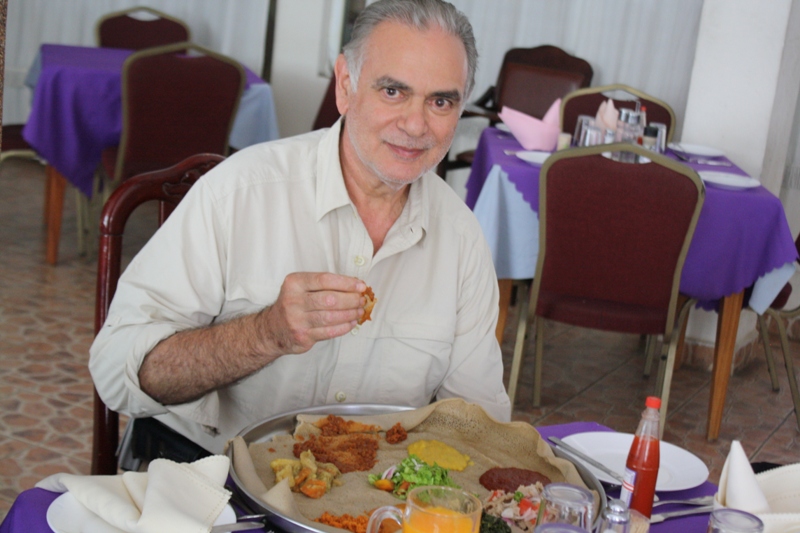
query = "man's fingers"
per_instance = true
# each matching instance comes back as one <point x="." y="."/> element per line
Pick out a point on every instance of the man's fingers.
<point x="326" y="281"/>
<point x="324" y="300"/>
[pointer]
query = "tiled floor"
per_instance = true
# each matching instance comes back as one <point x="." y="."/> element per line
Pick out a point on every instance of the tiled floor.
<point x="46" y="324"/>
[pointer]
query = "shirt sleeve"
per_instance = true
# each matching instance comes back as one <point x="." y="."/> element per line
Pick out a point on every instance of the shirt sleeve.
<point x="476" y="372"/>
<point x="174" y="283"/>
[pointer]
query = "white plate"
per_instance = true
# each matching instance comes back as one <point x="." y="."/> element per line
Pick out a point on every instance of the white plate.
<point x="696" y="149"/>
<point x="534" y="156"/>
<point x="67" y="515"/>
<point x="728" y="181"/>
<point x="679" y="470"/>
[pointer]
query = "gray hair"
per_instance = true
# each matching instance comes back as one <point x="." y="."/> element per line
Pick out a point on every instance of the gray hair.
<point x="419" y="14"/>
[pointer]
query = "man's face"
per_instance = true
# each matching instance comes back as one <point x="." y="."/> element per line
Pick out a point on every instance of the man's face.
<point x="401" y="120"/>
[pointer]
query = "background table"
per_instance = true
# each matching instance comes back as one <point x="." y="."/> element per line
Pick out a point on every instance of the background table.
<point x="28" y="514"/>
<point x="77" y="113"/>
<point x="742" y="239"/>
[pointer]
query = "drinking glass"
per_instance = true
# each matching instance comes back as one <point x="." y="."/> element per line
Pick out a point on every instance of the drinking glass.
<point x="432" y="510"/>
<point x="582" y="122"/>
<point x="558" y="528"/>
<point x="661" y="142"/>
<point x="733" y="521"/>
<point x="566" y="504"/>
<point x="590" y="136"/>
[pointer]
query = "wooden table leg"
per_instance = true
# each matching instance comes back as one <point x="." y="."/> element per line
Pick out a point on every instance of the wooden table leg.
<point x="506" y="286"/>
<point x="54" y="203"/>
<point x="727" y="326"/>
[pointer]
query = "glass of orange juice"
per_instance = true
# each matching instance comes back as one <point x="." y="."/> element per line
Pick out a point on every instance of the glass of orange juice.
<point x="433" y="510"/>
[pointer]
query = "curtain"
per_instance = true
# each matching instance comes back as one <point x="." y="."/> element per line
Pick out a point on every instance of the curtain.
<point x="236" y="29"/>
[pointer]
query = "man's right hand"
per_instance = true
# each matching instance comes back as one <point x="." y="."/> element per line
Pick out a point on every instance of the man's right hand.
<point x="311" y="307"/>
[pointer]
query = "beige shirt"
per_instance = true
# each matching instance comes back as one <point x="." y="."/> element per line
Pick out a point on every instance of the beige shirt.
<point x="282" y="207"/>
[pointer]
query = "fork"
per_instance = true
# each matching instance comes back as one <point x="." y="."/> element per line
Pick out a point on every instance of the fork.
<point x="701" y="500"/>
<point x="702" y="161"/>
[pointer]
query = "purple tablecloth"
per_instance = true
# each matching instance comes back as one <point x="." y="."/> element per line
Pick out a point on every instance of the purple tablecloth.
<point x="77" y="108"/>
<point x="741" y="234"/>
<point x="28" y="514"/>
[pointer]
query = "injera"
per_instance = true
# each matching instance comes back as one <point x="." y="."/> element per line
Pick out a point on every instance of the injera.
<point x="466" y="427"/>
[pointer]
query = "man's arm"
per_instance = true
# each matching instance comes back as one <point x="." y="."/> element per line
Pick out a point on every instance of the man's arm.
<point x="311" y="307"/>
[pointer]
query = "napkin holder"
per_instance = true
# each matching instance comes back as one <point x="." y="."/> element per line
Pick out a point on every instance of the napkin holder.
<point x="532" y="133"/>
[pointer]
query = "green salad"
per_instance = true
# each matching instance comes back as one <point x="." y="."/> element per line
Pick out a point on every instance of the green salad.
<point x="411" y="472"/>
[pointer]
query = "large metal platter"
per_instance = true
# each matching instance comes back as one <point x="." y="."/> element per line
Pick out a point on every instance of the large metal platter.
<point x="285" y="423"/>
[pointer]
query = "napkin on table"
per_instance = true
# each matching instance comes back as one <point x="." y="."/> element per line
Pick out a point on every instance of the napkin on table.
<point x="532" y="133"/>
<point x="773" y="496"/>
<point x="607" y="115"/>
<point x="170" y="496"/>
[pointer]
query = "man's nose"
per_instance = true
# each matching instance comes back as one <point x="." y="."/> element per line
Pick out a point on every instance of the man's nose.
<point x="413" y="120"/>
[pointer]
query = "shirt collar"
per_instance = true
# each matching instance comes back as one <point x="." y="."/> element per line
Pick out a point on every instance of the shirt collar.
<point x="332" y="193"/>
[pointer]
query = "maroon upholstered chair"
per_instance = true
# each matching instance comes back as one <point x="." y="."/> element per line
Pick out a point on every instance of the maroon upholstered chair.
<point x="779" y="314"/>
<point x="586" y="102"/>
<point x="530" y="80"/>
<point x="13" y="144"/>
<point x="613" y="238"/>
<point x="328" y="113"/>
<point x="121" y="30"/>
<point x="167" y="187"/>
<point x="173" y="106"/>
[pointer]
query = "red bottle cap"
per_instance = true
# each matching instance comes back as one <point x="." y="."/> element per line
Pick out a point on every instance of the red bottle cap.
<point x="653" y="401"/>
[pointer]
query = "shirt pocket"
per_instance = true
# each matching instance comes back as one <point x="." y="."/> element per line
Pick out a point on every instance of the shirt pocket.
<point x="409" y="359"/>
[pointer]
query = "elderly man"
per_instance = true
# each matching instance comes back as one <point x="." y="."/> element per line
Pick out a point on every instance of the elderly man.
<point x="246" y="302"/>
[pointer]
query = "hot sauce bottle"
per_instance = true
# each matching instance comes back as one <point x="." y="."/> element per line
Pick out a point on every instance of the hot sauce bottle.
<point x="641" y="469"/>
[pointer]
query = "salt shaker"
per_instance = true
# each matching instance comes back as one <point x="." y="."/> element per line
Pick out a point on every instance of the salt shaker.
<point x="616" y="518"/>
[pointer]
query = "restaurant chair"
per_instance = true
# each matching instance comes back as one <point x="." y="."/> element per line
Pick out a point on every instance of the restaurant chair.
<point x="173" y="106"/>
<point x="613" y="238"/>
<point x="328" y="113"/>
<point x="530" y="80"/>
<point x="779" y="314"/>
<point x="167" y="187"/>
<point x="14" y="145"/>
<point x="122" y="30"/>
<point x="587" y="101"/>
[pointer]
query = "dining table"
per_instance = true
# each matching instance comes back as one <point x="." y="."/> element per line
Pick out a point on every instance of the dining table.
<point x="76" y="113"/>
<point x="28" y="514"/>
<point x="742" y="242"/>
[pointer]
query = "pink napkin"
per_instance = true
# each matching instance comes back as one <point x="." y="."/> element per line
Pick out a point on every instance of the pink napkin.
<point x="607" y="116"/>
<point x="532" y="133"/>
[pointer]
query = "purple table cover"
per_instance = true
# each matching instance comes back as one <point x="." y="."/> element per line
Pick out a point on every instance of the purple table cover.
<point x="28" y="514"/>
<point x="740" y="236"/>
<point x="77" y="108"/>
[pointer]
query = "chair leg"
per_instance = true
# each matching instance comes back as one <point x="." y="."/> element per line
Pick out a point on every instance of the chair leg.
<point x="667" y="367"/>
<point x="787" y="359"/>
<point x="649" y="352"/>
<point x="773" y="376"/>
<point x="56" y="187"/>
<point x="537" y="368"/>
<point x="519" y="344"/>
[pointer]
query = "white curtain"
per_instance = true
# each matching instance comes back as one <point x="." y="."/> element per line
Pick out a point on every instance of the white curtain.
<point x="233" y="28"/>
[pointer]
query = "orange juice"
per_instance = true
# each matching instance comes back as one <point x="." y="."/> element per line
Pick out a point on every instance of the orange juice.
<point x="439" y="520"/>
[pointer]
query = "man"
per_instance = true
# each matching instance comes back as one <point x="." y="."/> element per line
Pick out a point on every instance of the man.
<point x="245" y="304"/>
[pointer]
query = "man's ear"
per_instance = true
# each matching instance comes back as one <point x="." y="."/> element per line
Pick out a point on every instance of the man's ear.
<point x="343" y="88"/>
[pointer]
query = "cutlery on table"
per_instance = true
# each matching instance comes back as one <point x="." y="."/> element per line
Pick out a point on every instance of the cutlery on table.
<point x="701" y="500"/>
<point x="702" y="160"/>
<point x="660" y="517"/>
<point x="239" y="526"/>
<point x="585" y="458"/>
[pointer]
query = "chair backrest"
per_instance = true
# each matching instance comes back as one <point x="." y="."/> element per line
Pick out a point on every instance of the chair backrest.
<point x="532" y="90"/>
<point x="167" y="187"/>
<point x="174" y="106"/>
<point x="120" y="30"/>
<point x="586" y="102"/>
<point x="328" y="113"/>
<point x="547" y="57"/>
<point x="613" y="238"/>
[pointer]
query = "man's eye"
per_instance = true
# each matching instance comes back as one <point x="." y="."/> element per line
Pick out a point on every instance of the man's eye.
<point x="442" y="103"/>
<point x="391" y="91"/>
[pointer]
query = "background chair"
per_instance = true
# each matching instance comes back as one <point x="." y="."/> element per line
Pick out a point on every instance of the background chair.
<point x="530" y="80"/>
<point x="328" y="113"/>
<point x="613" y="238"/>
<point x="586" y="101"/>
<point x="168" y="187"/>
<point x="173" y="106"/>
<point x="14" y="145"/>
<point x="121" y="30"/>
<point x="779" y="314"/>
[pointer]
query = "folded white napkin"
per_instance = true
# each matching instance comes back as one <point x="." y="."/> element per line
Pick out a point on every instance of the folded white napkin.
<point x="532" y="133"/>
<point x="738" y="487"/>
<point x="607" y="116"/>
<point x="170" y="496"/>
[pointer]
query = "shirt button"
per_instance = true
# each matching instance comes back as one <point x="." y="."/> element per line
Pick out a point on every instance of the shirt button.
<point x="354" y="331"/>
<point x="359" y="260"/>
<point x="340" y="396"/>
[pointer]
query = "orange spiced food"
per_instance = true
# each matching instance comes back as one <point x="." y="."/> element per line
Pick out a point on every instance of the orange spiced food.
<point x="370" y="296"/>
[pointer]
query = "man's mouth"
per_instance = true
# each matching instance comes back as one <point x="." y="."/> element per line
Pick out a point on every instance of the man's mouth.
<point x="406" y="152"/>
